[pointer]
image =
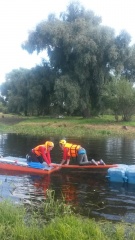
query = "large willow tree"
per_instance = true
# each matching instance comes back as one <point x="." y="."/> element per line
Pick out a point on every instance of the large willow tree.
<point x="83" y="56"/>
<point x="80" y="47"/>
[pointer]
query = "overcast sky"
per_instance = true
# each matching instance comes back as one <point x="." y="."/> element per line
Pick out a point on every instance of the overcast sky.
<point x="18" y="17"/>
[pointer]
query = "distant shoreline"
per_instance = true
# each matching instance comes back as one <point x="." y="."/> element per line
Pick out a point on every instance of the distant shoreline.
<point x="69" y="126"/>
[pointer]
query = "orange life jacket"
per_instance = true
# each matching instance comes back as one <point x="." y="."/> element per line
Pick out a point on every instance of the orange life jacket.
<point x="37" y="150"/>
<point x="73" y="149"/>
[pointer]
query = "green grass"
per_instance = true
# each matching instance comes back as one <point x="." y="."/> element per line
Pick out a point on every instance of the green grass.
<point x="75" y="120"/>
<point x="101" y="119"/>
<point x="18" y="222"/>
<point x="101" y="126"/>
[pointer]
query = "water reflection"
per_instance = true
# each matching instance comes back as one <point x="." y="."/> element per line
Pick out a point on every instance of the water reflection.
<point x="89" y="191"/>
<point x="23" y="188"/>
<point x="121" y="149"/>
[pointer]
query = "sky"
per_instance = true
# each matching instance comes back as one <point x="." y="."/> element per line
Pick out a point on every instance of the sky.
<point x="18" y="17"/>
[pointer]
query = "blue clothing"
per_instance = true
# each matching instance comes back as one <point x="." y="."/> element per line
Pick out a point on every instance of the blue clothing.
<point x="82" y="151"/>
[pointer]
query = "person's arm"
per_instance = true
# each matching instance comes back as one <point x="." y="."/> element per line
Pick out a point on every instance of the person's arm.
<point x="48" y="157"/>
<point x="65" y="156"/>
<point x="68" y="161"/>
<point x="63" y="161"/>
<point x="45" y="157"/>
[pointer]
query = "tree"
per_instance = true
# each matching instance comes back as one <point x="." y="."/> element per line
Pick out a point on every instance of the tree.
<point x="29" y="91"/>
<point x="83" y="55"/>
<point x="42" y="88"/>
<point x="77" y="46"/>
<point x="15" y="89"/>
<point x="67" y="94"/>
<point x="119" y="96"/>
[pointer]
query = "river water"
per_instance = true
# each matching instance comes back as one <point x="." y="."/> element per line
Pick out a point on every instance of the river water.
<point x="88" y="190"/>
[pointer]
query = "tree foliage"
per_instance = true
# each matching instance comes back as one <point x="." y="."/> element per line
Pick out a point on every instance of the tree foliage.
<point x="67" y="93"/>
<point x="119" y="96"/>
<point x="83" y="57"/>
<point x="29" y="91"/>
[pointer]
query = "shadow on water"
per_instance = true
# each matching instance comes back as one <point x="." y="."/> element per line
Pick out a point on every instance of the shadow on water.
<point x="88" y="191"/>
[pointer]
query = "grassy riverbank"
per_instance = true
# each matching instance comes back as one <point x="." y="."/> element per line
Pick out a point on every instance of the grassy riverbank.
<point x="68" y="126"/>
<point x="54" y="220"/>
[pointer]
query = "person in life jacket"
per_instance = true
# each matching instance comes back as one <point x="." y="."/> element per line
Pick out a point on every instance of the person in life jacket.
<point x="76" y="151"/>
<point x="41" y="153"/>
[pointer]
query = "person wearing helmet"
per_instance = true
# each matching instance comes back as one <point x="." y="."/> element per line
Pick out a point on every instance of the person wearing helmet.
<point x="76" y="151"/>
<point x="41" y="153"/>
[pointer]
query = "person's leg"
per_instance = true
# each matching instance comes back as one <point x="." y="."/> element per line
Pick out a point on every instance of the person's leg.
<point x="40" y="159"/>
<point x="93" y="162"/>
<point x="82" y="159"/>
<point x="101" y="162"/>
<point x="32" y="157"/>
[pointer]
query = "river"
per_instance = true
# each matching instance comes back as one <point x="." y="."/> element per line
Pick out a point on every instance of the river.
<point x="89" y="191"/>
